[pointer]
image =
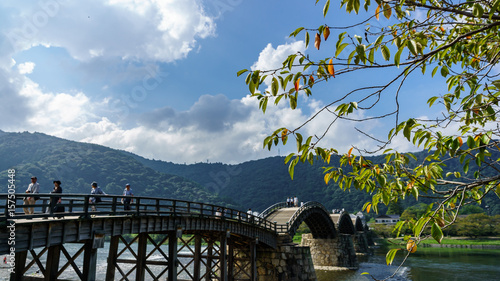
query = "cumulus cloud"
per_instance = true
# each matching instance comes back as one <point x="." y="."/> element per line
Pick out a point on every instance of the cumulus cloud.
<point x="26" y="68"/>
<point x="152" y="30"/>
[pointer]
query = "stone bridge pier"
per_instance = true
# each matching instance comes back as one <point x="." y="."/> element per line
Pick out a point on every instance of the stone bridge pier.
<point x="337" y="252"/>
<point x="287" y="262"/>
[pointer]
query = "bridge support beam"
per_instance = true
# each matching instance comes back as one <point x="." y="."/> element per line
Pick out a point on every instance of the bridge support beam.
<point x="52" y="265"/>
<point x="89" y="261"/>
<point x="112" y="257"/>
<point x="172" y="255"/>
<point x="19" y="267"/>
<point x="141" y="257"/>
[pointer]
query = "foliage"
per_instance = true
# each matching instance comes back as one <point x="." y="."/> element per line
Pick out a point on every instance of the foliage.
<point x="477" y="225"/>
<point x="457" y="40"/>
<point x="382" y="230"/>
<point x="395" y="208"/>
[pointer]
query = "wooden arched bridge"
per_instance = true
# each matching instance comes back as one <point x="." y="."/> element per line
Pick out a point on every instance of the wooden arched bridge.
<point x="188" y="240"/>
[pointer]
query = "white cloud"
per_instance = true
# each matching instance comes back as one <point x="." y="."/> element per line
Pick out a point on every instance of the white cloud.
<point x="26" y="68"/>
<point x="136" y="30"/>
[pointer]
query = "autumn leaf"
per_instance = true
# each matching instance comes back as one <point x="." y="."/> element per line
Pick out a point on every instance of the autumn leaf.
<point x="331" y="70"/>
<point x="411" y="246"/>
<point x="460" y="141"/>
<point x="377" y="12"/>
<point x="297" y="84"/>
<point x="349" y="152"/>
<point x="311" y="80"/>
<point x="326" y="32"/>
<point x="442" y="29"/>
<point x="317" y="41"/>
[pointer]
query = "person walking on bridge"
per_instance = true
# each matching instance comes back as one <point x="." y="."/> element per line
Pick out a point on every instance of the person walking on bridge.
<point x="33" y="188"/>
<point x="128" y="197"/>
<point x="95" y="191"/>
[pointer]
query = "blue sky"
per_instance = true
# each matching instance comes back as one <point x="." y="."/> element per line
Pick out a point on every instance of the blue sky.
<point x="158" y="78"/>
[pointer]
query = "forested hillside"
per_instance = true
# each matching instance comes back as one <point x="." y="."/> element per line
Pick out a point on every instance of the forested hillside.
<point x="76" y="165"/>
<point x="254" y="184"/>
<point x="261" y="183"/>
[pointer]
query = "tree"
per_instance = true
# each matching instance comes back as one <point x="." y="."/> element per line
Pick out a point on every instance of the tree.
<point x="395" y="208"/>
<point x="457" y="40"/>
<point x="476" y="225"/>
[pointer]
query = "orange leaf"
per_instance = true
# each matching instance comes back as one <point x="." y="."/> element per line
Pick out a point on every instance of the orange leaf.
<point x="297" y="84"/>
<point x="411" y="246"/>
<point x="368" y="208"/>
<point x="377" y="12"/>
<point x="284" y="133"/>
<point x="331" y="70"/>
<point x="317" y="41"/>
<point x="349" y="153"/>
<point x="442" y="29"/>
<point x="311" y="80"/>
<point x="460" y="141"/>
<point x="326" y="32"/>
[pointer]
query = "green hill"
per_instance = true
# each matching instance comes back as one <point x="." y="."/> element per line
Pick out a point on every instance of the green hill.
<point x="77" y="165"/>
<point x="253" y="184"/>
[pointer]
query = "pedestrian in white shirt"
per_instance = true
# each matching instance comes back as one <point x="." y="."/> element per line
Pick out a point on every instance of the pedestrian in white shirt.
<point x="33" y="188"/>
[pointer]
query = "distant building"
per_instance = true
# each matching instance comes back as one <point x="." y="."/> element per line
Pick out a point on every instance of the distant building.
<point x="387" y="219"/>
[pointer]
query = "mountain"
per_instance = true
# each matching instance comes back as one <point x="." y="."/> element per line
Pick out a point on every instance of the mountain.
<point x="77" y="165"/>
<point x="259" y="184"/>
<point x="254" y="184"/>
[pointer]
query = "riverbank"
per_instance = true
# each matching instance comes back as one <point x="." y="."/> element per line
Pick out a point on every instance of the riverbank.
<point x="453" y="242"/>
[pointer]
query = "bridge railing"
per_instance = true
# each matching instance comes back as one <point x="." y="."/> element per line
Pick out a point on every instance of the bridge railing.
<point x="283" y="228"/>
<point x="79" y="205"/>
<point x="272" y="208"/>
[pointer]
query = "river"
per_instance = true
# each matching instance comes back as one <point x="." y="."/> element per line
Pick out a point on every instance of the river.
<point x="427" y="264"/>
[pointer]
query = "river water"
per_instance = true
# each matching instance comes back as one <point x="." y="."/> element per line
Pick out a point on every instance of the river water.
<point x="427" y="264"/>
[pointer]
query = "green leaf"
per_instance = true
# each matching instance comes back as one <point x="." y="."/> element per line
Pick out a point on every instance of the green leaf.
<point x="437" y="233"/>
<point x="307" y="39"/>
<point x="412" y="46"/>
<point x="340" y="48"/>
<point x="390" y="256"/>
<point x="386" y="54"/>
<point x="444" y="71"/>
<point x="477" y="10"/>
<point x="274" y="87"/>
<point x="296" y="32"/>
<point x="398" y="56"/>
<point x="326" y="7"/>
<point x="241" y="72"/>
<point x="419" y="225"/>
<point x="291" y="167"/>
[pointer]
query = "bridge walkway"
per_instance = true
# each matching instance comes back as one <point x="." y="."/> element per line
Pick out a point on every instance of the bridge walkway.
<point x="282" y="216"/>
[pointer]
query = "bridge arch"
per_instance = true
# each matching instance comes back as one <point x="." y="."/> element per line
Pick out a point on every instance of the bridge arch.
<point x="344" y="223"/>
<point x="312" y="213"/>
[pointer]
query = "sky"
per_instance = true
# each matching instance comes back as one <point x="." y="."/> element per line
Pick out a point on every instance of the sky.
<point x="158" y="78"/>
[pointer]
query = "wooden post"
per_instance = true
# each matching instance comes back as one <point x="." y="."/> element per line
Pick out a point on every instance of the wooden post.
<point x="141" y="257"/>
<point x="223" y="257"/>
<point x="89" y="261"/>
<point x="208" y="270"/>
<point x="19" y="267"/>
<point x="230" y="260"/>
<point x="197" y="257"/>
<point x="52" y="264"/>
<point x="112" y="256"/>
<point x="172" y="256"/>
<point x="253" y="260"/>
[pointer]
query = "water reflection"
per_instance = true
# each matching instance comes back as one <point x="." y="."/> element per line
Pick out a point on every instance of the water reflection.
<point x="427" y="264"/>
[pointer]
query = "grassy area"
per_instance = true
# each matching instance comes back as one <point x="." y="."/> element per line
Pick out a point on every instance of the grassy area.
<point x="456" y="241"/>
<point x="297" y="238"/>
